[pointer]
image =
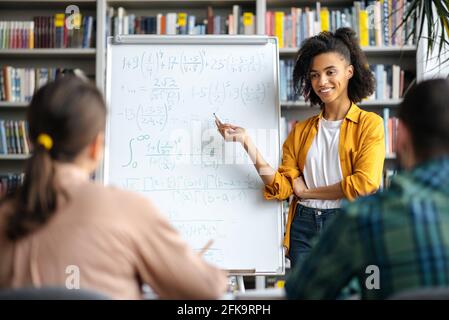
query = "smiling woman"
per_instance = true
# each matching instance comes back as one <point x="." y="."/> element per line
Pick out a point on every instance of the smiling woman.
<point x="338" y="154"/>
<point x="329" y="76"/>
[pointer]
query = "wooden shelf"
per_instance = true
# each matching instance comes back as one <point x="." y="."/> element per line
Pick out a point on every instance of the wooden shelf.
<point x="371" y="103"/>
<point x="390" y="156"/>
<point x="371" y="51"/>
<point x="49" y="53"/>
<point x="46" y="4"/>
<point x="49" y="1"/>
<point x="146" y="4"/>
<point x="381" y="103"/>
<point x="13" y="105"/>
<point x="390" y="49"/>
<point x="303" y="3"/>
<point x="14" y="156"/>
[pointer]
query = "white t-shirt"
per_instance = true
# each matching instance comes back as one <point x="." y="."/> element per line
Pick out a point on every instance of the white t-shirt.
<point x="322" y="167"/>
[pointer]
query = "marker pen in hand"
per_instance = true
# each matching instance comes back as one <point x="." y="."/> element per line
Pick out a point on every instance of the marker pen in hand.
<point x="218" y="120"/>
<point x="206" y="247"/>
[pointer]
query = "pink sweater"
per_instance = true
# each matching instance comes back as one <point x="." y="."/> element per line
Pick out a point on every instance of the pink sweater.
<point x="117" y="240"/>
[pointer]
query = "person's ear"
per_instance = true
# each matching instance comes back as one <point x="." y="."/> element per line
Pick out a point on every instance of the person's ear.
<point x="402" y="135"/>
<point x="404" y="145"/>
<point x="96" y="147"/>
<point x="350" y="71"/>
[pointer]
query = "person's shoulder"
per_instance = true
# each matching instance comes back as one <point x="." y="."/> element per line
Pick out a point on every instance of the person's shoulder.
<point x="119" y="194"/>
<point x="122" y="200"/>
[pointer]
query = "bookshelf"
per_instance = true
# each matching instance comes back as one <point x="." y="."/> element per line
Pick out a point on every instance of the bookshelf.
<point x="23" y="12"/>
<point x="93" y="60"/>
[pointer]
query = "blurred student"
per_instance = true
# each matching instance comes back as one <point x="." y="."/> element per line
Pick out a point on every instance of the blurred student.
<point x="396" y="240"/>
<point x="59" y="222"/>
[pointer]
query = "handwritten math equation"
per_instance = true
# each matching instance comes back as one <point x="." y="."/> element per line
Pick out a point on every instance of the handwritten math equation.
<point x="212" y="181"/>
<point x="221" y="92"/>
<point x="149" y="63"/>
<point x="200" y="231"/>
<point x="170" y="96"/>
<point x="166" y="153"/>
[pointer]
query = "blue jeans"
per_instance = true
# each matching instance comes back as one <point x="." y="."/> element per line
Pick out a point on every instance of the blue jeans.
<point x="307" y="225"/>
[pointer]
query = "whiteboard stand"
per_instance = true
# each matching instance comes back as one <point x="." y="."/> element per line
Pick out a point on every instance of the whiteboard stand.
<point x="260" y="282"/>
<point x="240" y="284"/>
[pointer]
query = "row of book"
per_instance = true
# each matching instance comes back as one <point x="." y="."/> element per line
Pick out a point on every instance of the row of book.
<point x="286" y="85"/>
<point x="237" y="22"/>
<point x="391" y="129"/>
<point x="377" y="23"/>
<point x="391" y="81"/>
<point x="14" y="137"/>
<point x="56" y="31"/>
<point x="19" y="84"/>
<point x="9" y="183"/>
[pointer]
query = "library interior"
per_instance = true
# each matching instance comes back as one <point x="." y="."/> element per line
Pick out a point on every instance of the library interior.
<point x="274" y="77"/>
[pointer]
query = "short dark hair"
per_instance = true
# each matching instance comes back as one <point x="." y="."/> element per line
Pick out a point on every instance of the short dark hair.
<point x="344" y="42"/>
<point x="425" y="112"/>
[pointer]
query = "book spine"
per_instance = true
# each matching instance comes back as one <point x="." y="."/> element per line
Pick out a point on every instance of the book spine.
<point x="279" y="27"/>
<point x="363" y="27"/>
<point x="210" y="20"/>
<point x="17" y="137"/>
<point x="236" y="18"/>
<point x="3" y="145"/>
<point x="324" y="17"/>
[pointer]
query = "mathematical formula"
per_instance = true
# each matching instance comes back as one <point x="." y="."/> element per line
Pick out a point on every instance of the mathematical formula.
<point x="200" y="61"/>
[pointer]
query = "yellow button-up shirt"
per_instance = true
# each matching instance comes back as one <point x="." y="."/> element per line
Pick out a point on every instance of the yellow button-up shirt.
<point x="361" y="151"/>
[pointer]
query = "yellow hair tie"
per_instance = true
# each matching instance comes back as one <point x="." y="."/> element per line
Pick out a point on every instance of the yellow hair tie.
<point x="45" y="140"/>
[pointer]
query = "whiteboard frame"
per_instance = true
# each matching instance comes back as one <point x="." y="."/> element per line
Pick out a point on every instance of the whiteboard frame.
<point x="209" y="40"/>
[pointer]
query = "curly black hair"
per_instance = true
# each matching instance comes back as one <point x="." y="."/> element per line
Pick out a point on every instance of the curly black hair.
<point x="344" y="42"/>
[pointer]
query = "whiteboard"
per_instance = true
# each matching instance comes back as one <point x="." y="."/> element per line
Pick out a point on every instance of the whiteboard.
<point x="161" y="140"/>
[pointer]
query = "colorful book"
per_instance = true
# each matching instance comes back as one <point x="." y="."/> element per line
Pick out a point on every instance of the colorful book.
<point x="279" y="27"/>
<point x="324" y="17"/>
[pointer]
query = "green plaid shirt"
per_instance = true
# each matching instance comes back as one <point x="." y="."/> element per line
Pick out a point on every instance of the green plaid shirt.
<point x="404" y="231"/>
